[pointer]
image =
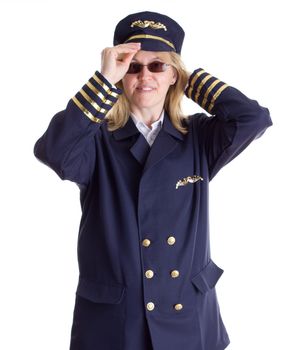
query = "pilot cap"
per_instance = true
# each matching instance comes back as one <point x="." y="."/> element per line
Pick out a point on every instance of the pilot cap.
<point x="155" y="32"/>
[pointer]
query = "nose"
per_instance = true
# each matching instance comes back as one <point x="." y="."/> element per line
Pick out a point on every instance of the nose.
<point x="144" y="73"/>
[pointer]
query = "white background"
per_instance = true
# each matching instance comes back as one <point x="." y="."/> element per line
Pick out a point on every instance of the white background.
<point x="49" y="49"/>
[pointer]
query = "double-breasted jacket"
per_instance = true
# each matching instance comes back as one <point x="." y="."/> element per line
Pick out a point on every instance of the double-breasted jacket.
<point x="146" y="274"/>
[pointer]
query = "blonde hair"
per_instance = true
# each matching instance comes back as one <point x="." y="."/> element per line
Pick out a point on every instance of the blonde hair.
<point x="119" y="114"/>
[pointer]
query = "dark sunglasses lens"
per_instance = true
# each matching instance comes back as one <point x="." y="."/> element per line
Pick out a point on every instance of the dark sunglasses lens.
<point x="134" y="68"/>
<point x="157" y="67"/>
<point x="154" y="67"/>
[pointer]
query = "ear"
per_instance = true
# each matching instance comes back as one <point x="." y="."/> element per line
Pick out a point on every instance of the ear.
<point x="175" y="76"/>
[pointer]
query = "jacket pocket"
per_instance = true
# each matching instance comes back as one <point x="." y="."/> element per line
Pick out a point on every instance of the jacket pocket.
<point x="205" y="280"/>
<point x="100" y="293"/>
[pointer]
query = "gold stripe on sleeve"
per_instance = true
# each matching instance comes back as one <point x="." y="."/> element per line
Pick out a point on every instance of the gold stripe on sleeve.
<point x="85" y="111"/>
<point x="114" y="94"/>
<point x="99" y="94"/>
<point x="208" y="92"/>
<point x="216" y="95"/>
<point x="106" y="88"/>
<point x="219" y="91"/>
<point x="93" y="103"/>
<point x="101" y="83"/>
<point x="199" y="88"/>
<point x="89" y="99"/>
<point x="193" y="80"/>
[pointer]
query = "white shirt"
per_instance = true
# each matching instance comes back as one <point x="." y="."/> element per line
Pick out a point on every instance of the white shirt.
<point x="149" y="134"/>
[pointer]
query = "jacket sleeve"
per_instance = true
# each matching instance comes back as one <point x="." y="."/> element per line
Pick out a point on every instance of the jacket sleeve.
<point x="234" y="123"/>
<point x="68" y="144"/>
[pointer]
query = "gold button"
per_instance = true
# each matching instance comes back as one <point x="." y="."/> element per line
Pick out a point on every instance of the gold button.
<point x="175" y="273"/>
<point x="146" y="242"/>
<point x="171" y="240"/>
<point x="178" y="307"/>
<point x="150" y="306"/>
<point x="149" y="273"/>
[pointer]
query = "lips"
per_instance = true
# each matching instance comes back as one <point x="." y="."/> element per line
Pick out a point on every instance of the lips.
<point x="145" y="88"/>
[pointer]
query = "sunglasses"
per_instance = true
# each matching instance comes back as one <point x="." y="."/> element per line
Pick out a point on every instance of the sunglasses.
<point x="154" y="67"/>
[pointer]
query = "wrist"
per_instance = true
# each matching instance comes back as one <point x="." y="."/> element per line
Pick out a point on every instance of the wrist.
<point x="109" y="79"/>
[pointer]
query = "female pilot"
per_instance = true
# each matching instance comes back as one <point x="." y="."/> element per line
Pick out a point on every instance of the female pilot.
<point x="147" y="280"/>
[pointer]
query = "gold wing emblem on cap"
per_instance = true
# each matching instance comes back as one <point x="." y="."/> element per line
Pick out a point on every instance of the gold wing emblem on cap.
<point x="188" y="179"/>
<point x="150" y="24"/>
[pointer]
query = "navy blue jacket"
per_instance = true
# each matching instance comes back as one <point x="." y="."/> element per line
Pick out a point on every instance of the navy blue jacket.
<point x="146" y="275"/>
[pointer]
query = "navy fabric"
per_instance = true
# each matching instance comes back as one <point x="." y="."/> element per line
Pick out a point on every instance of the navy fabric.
<point x="160" y="29"/>
<point x="128" y="194"/>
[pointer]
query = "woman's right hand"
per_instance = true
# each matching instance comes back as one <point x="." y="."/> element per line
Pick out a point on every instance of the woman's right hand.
<point x="115" y="60"/>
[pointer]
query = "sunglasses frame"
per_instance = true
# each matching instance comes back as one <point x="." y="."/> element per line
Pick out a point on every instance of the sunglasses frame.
<point x="149" y="67"/>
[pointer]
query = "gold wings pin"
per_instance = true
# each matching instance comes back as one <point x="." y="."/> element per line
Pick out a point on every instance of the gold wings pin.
<point x="146" y="24"/>
<point x="187" y="180"/>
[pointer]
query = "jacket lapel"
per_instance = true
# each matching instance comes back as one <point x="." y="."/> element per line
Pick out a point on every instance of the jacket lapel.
<point x="139" y="148"/>
<point x="165" y="142"/>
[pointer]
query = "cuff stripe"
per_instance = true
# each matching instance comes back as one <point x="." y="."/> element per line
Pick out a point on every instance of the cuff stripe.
<point x="96" y="98"/>
<point x="199" y="88"/>
<point x="193" y="81"/>
<point x="204" y="89"/>
<point x="98" y="93"/>
<point x="215" y="96"/>
<point x="207" y="93"/>
<point x="89" y="99"/>
<point x="101" y="83"/>
<point x="93" y="103"/>
<point x="85" y="111"/>
<point x="105" y="87"/>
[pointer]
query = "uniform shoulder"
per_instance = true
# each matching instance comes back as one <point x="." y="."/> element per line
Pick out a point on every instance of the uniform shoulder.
<point x="197" y="118"/>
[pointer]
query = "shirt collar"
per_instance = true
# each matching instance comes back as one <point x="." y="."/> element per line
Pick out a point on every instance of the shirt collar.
<point x="154" y="125"/>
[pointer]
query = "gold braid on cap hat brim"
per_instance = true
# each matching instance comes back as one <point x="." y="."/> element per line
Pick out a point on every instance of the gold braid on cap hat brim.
<point x="154" y="37"/>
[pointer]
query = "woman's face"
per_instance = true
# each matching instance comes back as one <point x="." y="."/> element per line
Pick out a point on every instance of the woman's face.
<point x="148" y="90"/>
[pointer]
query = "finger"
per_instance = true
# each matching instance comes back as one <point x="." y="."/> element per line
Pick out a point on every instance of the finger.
<point x="119" y="50"/>
<point x="127" y="48"/>
<point x="121" y="47"/>
<point x="129" y="45"/>
<point x="126" y="59"/>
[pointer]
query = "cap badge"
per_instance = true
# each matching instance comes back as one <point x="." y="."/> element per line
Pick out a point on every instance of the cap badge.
<point x="150" y="24"/>
<point x="188" y="179"/>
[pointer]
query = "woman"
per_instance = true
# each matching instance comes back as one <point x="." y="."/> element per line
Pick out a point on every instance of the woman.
<point x="146" y="276"/>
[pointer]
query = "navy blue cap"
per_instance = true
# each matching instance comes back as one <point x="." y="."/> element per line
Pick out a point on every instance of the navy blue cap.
<point x="155" y="32"/>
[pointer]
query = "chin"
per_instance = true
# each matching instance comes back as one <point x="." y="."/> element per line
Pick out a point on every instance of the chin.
<point x="146" y="103"/>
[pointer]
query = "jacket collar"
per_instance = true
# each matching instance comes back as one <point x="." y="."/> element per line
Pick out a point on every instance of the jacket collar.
<point x="169" y="128"/>
<point x="165" y="142"/>
<point x="130" y="129"/>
